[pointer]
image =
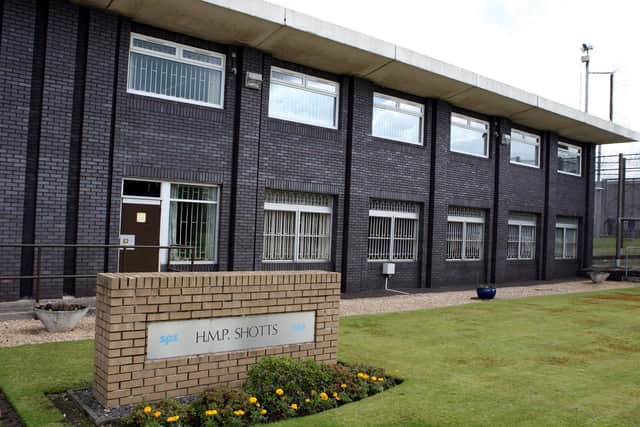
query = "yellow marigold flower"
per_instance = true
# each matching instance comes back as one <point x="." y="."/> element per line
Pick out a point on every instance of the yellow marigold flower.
<point x="147" y="409"/>
<point x="257" y="404"/>
<point x="173" y="419"/>
<point x="279" y="392"/>
<point x="263" y="412"/>
<point x="343" y="386"/>
<point x="365" y="377"/>
<point x="307" y="400"/>
<point x="294" y="406"/>
<point x="360" y="375"/>
<point x="157" y="414"/>
<point x="238" y="413"/>
<point x="335" y="394"/>
<point x="253" y="400"/>
<point x="324" y="396"/>
<point x="374" y="378"/>
<point x="380" y="379"/>
<point x="210" y="412"/>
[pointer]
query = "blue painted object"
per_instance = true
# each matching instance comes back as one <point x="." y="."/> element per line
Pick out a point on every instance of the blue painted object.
<point x="486" y="293"/>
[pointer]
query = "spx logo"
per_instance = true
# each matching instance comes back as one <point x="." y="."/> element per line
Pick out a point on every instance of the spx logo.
<point x="168" y="339"/>
<point x="298" y="327"/>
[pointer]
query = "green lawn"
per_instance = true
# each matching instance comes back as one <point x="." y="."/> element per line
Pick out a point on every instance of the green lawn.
<point x="571" y="360"/>
<point x="606" y="246"/>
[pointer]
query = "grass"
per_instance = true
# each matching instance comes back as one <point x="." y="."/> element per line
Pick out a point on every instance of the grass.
<point x="568" y="360"/>
<point x="606" y="246"/>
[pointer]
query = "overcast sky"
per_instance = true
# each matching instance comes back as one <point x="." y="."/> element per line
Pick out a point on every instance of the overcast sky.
<point x="533" y="45"/>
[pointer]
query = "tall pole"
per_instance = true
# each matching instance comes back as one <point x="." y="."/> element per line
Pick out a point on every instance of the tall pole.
<point x="586" y="86"/>
<point x="620" y="209"/>
<point x="611" y="96"/>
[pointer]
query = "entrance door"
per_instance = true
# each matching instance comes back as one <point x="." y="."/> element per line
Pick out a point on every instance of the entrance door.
<point x="143" y="222"/>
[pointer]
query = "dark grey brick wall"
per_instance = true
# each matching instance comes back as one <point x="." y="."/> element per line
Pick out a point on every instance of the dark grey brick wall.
<point x="16" y="60"/>
<point x="61" y="191"/>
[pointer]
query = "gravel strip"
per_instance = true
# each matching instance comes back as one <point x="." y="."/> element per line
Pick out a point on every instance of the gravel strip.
<point x="394" y="303"/>
<point x="20" y="332"/>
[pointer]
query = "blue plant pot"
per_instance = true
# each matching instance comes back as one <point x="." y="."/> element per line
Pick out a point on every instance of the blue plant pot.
<point x="486" y="293"/>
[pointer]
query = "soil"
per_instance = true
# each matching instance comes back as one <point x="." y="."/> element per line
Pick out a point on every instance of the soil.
<point x="8" y="416"/>
<point x="61" y="307"/>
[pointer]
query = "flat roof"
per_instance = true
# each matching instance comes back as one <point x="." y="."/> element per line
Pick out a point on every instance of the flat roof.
<point x="302" y="39"/>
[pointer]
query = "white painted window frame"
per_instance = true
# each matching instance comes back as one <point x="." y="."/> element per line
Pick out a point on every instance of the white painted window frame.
<point x="469" y="120"/>
<point x="523" y="223"/>
<point x="165" y="211"/>
<point x="298" y="209"/>
<point x="305" y="78"/>
<point x="466" y="220"/>
<point x="560" y="144"/>
<point x="395" y="215"/>
<point x="177" y="58"/>
<point x="397" y="109"/>
<point x="523" y="141"/>
<point x="567" y="226"/>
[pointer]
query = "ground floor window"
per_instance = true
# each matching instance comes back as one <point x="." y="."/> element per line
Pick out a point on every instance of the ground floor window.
<point x="393" y="230"/>
<point x="297" y="227"/>
<point x="465" y="234"/>
<point x="193" y="220"/>
<point x="521" y="244"/>
<point x="566" y="238"/>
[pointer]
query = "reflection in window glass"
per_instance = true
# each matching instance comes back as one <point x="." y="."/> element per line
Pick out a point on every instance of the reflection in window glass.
<point x="525" y="149"/>
<point x="397" y="119"/>
<point x="300" y="98"/>
<point x="469" y="135"/>
<point x="569" y="159"/>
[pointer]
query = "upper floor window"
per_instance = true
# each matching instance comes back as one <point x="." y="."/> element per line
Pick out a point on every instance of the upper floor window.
<point x="469" y="135"/>
<point x="569" y="159"/>
<point x="525" y="148"/>
<point x="566" y="238"/>
<point x="177" y="72"/>
<point x="521" y="242"/>
<point x="301" y="98"/>
<point x="297" y="226"/>
<point x="393" y="230"/>
<point x="465" y="234"/>
<point x="397" y="119"/>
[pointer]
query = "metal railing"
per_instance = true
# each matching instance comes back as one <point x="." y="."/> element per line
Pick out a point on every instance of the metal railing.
<point x="37" y="275"/>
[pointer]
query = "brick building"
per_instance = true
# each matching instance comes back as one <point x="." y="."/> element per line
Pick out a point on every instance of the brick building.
<point x="269" y="140"/>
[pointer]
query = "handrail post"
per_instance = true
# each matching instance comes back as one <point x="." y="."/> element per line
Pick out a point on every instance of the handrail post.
<point x="193" y="257"/>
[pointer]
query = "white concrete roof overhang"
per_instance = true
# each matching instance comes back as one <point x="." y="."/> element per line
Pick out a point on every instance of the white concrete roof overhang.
<point x="302" y="39"/>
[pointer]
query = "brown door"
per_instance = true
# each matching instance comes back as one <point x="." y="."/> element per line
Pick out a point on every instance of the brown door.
<point x="143" y="222"/>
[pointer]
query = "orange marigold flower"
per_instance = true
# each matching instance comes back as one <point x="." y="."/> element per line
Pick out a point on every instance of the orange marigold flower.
<point x="324" y="396"/>
<point x="147" y="409"/>
<point x="157" y="414"/>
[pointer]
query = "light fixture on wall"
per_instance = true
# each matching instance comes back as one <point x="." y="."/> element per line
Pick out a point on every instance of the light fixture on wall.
<point x="253" y="80"/>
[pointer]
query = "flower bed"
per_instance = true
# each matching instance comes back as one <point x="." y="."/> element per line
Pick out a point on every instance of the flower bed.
<point x="276" y="388"/>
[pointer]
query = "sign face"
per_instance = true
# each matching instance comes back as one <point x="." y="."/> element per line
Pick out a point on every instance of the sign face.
<point x="223" y="334"/>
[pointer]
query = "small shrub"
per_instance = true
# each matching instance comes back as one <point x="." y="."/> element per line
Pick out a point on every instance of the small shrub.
<point x="226" y="406"/>
<point x="159" y="414"/>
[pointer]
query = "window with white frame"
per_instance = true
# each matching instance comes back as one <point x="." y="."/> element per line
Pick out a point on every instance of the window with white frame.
<point x="193" y="221"/>
<point x="465" y="234"/>
<point x="569" y="159"/>
<point x="525" y="148"/>
<point x="168" y="70"/>
<point x="469" y="135"/>
<point x="566" y="238"/>
<point x="393" y="230"/>
<point x="297" y="227"/>
<point x="301" y="98"/>
<point x="521" y="242"/>
<point x="397" y="119"/>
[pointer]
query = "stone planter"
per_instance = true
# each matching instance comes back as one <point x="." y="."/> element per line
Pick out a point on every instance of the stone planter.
<point x="598" y="276"/>
<point x="60" y="318"/>
<point x="486" y="293"/>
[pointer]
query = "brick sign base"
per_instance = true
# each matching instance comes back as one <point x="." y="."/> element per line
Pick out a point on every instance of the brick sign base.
<point x="127" y="303"/>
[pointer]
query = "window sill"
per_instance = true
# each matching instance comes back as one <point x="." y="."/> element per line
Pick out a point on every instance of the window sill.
<point x="463" y="153"/>
<point x="172" y="99"/>
<point x="570" y="174"/>
<point x="397" y="261"/>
